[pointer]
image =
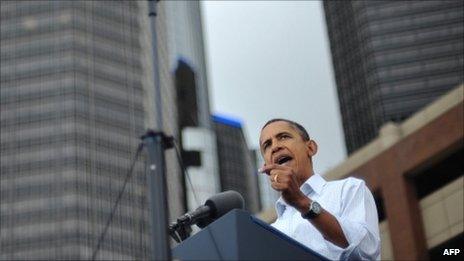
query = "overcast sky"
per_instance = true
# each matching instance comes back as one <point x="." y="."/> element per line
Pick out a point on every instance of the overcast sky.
<point x="271" y="59"/>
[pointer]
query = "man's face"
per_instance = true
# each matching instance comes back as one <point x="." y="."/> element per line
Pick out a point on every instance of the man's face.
<point x="281" y="143"/>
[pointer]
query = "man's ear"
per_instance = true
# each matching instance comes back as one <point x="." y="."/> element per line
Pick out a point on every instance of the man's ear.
<point x="312" y="147"/>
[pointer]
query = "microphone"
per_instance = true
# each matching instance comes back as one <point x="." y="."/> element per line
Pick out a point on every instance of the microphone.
<point x="193" y="217"/>
<point x="214" y="208"/>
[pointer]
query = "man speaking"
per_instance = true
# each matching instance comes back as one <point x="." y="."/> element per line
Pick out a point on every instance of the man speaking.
<point x="337" y="219"/>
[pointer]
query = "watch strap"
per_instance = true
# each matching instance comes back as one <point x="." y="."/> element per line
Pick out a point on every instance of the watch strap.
<point x="311" y="213"/>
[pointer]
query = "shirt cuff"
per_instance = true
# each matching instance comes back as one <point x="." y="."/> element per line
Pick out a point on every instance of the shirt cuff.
<point x="354" y="233"/>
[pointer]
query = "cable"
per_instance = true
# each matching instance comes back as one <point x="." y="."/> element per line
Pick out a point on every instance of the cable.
<point x="108" y="222"/>
<point x="185" y="171"/>
<point x="181" y="162"/>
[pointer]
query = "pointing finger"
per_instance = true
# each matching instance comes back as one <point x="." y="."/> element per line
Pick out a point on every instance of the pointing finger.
<point x="267" y="168"/>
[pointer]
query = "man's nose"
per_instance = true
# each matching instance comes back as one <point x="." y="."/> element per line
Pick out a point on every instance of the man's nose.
<point x="276" y="147"/>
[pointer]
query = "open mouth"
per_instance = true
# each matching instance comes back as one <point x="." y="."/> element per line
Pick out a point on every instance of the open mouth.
<point x="283" y="159"/>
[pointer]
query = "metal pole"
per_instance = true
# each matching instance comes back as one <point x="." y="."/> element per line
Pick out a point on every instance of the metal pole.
<point x="154" y="42"/>
<point x="156" y="143"/>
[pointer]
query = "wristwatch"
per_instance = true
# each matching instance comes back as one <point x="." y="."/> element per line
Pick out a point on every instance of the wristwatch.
<point x="314" y="210"/>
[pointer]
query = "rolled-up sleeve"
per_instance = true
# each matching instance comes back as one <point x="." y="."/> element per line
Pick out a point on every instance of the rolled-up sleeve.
<point x="359" y="222"/>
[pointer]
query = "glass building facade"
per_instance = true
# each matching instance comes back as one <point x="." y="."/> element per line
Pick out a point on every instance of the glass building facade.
<point x="391" y="58"/>
<point x="76" y="94"/>
<point x="197" y="139"/>
<point x="268" y="195"/>
<point x="237" y="167"/>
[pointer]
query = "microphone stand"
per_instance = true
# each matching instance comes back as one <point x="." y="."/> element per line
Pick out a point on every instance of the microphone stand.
<point x="156" y="142"/>
<point x="179" y="231"/>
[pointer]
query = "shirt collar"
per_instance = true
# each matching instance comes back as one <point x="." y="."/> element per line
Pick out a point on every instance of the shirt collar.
<point x="315" y="183"/>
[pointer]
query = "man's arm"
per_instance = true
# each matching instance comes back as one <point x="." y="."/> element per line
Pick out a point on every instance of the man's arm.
<point x="287" y="183"/>
<point x="355" y="231"/>
<point x="325" y="222"/>
<point x="359" y="221"/>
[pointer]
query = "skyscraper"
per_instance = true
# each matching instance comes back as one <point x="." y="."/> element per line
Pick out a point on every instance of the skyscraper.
<point x="197" y="138"/>
<point x="77" y="91"/>
<point x="391" y="58"/>
<point x="267" y="195"/>
<point x="236" y="165"/>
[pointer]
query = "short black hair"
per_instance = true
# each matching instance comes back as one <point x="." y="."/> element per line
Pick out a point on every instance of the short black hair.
<point x="303" y="133"/>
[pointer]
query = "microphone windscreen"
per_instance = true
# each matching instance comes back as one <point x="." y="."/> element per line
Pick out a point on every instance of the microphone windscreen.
<point x="224" y="202"/>
<point x="220" y="204"/>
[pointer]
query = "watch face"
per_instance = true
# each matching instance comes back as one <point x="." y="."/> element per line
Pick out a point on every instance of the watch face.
<point x="314" y="210"/>
<point x="315" y="207"/>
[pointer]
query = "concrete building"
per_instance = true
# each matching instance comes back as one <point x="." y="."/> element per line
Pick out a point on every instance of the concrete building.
<point x="236" y="167"/>
<point x="267" y="195"/>
<point x="187" y="64"/>
<point x="415" y="172"/>
<point x="77" y="91"/>
<point x="392" y="58"/>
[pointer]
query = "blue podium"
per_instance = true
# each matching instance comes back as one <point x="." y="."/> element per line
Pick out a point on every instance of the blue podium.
<point x="240" y="236"/>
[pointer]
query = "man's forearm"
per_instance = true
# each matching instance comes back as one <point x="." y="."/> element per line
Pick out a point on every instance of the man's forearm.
<point x="326" y="223"/>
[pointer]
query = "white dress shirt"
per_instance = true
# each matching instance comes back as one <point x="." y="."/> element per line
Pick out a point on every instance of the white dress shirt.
<point x="351" y="203"/>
